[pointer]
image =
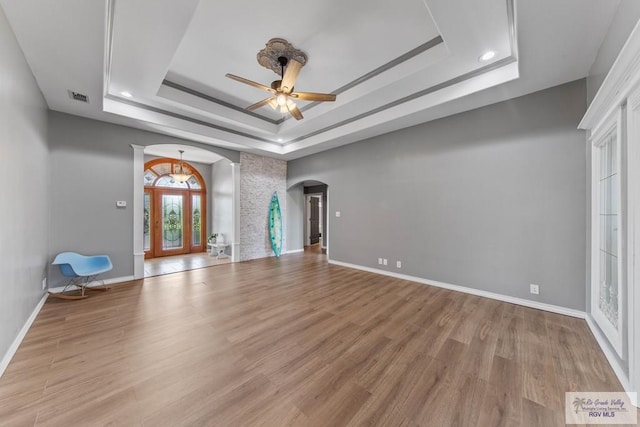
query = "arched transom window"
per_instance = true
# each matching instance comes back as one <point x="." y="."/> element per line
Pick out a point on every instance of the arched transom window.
<point x="157" y="174"/>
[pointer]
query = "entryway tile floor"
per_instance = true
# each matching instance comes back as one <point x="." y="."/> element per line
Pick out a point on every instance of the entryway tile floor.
<point x="174" y="264"/>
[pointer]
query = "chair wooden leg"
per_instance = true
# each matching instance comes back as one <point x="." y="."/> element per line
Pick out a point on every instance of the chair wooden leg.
<point x="67" y="296"/>
<point x="83" y="287"/>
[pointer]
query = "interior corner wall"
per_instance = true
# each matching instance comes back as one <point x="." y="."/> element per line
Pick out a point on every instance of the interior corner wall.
<point x="24" y="170"/>
<point x="222" y="200"/>
<point x="260" y="177"/>
<point x="625" y="19"/>
<point x="491" y="199"/>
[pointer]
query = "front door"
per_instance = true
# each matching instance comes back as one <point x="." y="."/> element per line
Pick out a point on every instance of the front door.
<point x="174" y="212"/>
<point x="172" y="230"/>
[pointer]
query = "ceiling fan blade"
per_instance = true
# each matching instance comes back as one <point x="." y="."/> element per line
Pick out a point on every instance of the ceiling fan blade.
<point x="260" y="103"/>
<point x="290" y="76"/>
<point x="310" y="96"/>
<point x="249" y="82"/>
<point x="295" y="112"/>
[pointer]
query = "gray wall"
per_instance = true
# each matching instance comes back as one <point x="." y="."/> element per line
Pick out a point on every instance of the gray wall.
<point x="24" y="172"/>
<point x="623" y="22"/>
<point x="222" y="200"/>
<point x="492" y="199"/>
<point x="92" y="168"/>
<point x="295" y="219"/>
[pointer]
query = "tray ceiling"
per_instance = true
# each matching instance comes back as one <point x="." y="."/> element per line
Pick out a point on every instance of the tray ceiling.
<point x="391" y="64"/>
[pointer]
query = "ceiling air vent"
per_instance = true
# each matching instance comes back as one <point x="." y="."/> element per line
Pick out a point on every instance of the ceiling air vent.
<point x="77" y="96"/>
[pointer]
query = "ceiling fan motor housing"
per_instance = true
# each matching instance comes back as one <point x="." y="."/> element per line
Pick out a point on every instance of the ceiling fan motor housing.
<point x="277" y="48"/>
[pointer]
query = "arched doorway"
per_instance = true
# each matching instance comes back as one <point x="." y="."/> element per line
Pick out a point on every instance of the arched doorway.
<point x="315" y="224"/>
<point x="308" y="220"/>
<point x="174" y="212"/>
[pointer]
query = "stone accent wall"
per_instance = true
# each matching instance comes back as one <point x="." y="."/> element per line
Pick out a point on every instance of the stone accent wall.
<point x="259" y="178"/>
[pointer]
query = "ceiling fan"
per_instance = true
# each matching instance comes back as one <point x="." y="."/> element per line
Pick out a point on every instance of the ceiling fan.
<point x="282" y="94"/>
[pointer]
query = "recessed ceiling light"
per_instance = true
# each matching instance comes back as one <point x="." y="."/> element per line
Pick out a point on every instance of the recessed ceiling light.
<point x="280" y="139"/>
<point x="487" y="55"/>
<point x="126" y="94"/>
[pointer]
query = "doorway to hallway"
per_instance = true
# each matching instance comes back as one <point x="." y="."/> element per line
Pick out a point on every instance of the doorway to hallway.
<point x="315" y="204"/>
<point x="315" y="225"/>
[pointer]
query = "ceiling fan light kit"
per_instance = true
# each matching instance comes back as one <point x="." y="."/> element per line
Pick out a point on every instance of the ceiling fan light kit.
<point x="284" y="59"/>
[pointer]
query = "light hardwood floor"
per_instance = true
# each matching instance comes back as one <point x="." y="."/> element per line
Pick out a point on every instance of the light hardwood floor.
<point x="295" y="341"/>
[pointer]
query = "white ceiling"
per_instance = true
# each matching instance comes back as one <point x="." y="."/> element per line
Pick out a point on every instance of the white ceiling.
<point x="340" y="48"/>
<point x="391" y="64"/>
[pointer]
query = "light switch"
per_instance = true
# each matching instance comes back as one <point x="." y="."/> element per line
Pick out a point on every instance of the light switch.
<point x="337" y="214"/>
<point x="121" y="204"/>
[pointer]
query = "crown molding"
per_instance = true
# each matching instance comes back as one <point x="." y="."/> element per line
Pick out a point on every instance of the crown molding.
<point x="623" y="76"/>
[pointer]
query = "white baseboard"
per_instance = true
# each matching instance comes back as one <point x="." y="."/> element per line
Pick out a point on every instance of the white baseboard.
<point x="505" y="298"/>
<point x="294" y="251"/>
<point x="611" y="358"/>
<point x="112" y="281"/>
<point x="23" y="332"/>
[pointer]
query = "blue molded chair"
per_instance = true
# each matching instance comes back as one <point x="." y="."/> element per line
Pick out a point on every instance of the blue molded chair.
<point x="82" y="270"/>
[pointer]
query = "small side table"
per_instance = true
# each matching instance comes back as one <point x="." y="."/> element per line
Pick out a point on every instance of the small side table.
<point x="218" y="249"/>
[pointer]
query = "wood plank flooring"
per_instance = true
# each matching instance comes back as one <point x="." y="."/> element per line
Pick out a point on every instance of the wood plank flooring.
<point x="295" y="341"/>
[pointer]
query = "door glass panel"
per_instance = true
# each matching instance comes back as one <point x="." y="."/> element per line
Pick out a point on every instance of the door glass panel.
<point x="196" y="219"/>
<point x="609" y="263"/>
<point x="168" y="181"/>
<point x="149" y="177"/>
<point x="193" y="183"/>
<point x="171" y="222"/>
<point x="147" y="221"/>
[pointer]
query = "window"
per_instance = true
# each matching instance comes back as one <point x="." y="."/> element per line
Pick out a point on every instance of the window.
<point x="607" y="259"/>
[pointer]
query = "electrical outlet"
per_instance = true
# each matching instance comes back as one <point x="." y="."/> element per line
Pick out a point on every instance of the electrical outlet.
<point x="44" y="283"/>
<point x="398" y="264"/>
<point x="534" y="289"/>
<point x="384" y="261"/>
<point x="380" y="261"/>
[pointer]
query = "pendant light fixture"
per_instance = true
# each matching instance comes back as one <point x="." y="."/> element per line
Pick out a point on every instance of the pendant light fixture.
<point x="180" y="175"/>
